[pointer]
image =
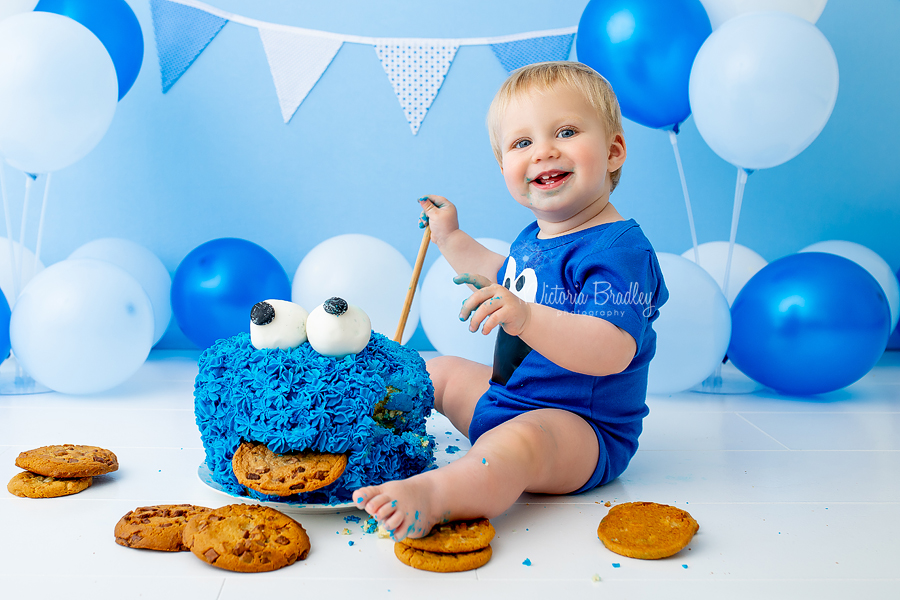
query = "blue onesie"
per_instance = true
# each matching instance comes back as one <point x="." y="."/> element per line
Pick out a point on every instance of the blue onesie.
<point x="608" y="271"/>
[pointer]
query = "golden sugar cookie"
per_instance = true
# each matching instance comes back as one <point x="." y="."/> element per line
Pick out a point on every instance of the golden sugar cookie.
<point x="646" y="530"/>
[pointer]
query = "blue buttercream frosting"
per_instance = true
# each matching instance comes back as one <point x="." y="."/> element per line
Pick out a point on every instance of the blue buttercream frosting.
<point x="371" y="406"/>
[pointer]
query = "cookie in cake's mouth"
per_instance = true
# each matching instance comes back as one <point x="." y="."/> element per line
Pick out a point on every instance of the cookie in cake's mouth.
<point x="548" y="180"/>
<point x="258" y="468"/>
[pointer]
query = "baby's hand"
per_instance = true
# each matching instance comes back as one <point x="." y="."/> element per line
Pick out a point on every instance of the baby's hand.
<point x="492" y="304"/>
<point x="440" y="214"/>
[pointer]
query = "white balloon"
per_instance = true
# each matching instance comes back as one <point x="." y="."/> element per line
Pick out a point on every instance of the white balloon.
<point x="871" y="262"/>
<point x="720" y="11"/>
<point x="363" y="270"/>
<point x="762" y="88"/>
<point x="9" y="264"/>
<point x="143" y="265"/>
<point x="745" y="263"/>
<point x="441" y="302"/>
<point x="58" y="91"/>
<point x="82" y="326"/>
<point x="693" y="329"/>
<point x="9" y="8"/>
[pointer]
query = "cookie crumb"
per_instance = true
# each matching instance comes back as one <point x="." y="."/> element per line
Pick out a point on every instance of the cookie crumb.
<point x="607" y="503"/>
<point x="346" y="531"/>
<point x="595" y="578"/>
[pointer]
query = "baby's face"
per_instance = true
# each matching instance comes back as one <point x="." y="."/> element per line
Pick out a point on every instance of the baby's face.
<point x="555" y="155"/>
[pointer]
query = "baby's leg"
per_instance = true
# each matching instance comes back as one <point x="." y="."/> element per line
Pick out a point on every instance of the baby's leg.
<point x="548" y="451"/>
<point x="458" y="384"/>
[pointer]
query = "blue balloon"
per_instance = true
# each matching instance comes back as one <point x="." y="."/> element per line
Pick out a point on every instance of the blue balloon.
<point x="809" y="323"/>
<point x="115" y="24"/>
<point x="645" y="49"/>
<point x="217" y="284"/>
<point x="5" y="314"/>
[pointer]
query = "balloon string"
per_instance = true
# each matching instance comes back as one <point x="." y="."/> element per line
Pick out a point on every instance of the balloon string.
<point x="12" y="248"/>
<point x="735" y="217"/>
<point x="20" y="263"/>
<point x="40" y="233"/>
<point x="673" y="137"/>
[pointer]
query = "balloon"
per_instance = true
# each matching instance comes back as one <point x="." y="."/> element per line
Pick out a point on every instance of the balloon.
<point x="143" y="265"/>
<point x="82" y="326"/>
<point x="115" y="25"/>
<point x="14" y="7"/>
<point x="441" y="302"/>
<point x="762" y="88"/>
<point x="9" y="265"/>
<point x="645" y="49"/>
<point x="5" y="315"/>
<point x="809" y="323"/>
<point x="364" y="271"/>
<point x="57" y="91"/>
<point x="720" y="11"/>
<point x="871" y="262"/>
<point x="745" y="263"/>
<point x="217" y="284"/>
<point x="692" y="330"/>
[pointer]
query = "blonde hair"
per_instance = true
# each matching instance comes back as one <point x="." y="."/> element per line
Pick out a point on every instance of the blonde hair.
<point x="547" y="76"/>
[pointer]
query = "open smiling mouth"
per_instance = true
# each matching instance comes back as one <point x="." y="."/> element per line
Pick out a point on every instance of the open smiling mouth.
<point x="550" y="179"/>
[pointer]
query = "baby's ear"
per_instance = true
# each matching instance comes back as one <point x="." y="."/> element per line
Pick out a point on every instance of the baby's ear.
<point x="617" y="153"/>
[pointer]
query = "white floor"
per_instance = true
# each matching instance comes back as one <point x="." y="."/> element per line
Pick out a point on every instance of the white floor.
<point x="796" y="498"/>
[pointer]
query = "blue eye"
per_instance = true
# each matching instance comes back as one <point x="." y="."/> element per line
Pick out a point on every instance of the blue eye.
<point x="522" y="144"/>
<point x="566" y="133"/>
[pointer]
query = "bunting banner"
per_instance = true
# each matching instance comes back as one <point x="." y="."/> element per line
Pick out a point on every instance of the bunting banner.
<point x="297" y="57"/>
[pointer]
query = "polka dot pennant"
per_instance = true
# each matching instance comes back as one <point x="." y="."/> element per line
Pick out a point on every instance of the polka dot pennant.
<point x="518" y="53"/>
<point x="416" y="71"/>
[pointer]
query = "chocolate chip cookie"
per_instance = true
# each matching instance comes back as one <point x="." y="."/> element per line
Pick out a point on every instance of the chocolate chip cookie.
<point x="257" y="467"/>
<point x="246" y="537"/>
<point x="442" y="563"/>
<point x="646" y="530"/>
<point x="156" y="527"/>
<point x="456" y="536"/>
<point x="68" y="460"/>
<point x="32" y="485"/>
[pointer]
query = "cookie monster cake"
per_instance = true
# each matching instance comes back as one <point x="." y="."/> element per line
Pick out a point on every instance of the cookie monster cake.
<point x="364" y="398"/>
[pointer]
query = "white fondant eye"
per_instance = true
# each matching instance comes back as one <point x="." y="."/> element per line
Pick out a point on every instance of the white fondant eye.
<point x="277" y="324"/>
<point x="336" y="328"/>
<point x="510" y="275"/>
<point x="525" y="285"/>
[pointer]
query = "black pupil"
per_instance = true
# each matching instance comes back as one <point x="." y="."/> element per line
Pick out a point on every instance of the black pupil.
<point x="262" y="313"/>
<point x="506" y="283"/>
<point x="335" y="306"/>
<point x="520" y="283"/>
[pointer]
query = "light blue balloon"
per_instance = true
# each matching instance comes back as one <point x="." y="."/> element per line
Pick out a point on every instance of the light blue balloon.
<point x="82" y="326"/>
<point x="762" y="88"/>
<point x="58" y="91"/>
<point x="693" y="328"/>
<point x="143" y="265"/>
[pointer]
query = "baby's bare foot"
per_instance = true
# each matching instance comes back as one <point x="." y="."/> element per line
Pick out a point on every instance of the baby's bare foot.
<point x="406" y="508"/>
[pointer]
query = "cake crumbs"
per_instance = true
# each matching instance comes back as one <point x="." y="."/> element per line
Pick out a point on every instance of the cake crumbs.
<point x="484" y="461"/>
<point x="346" y="531"/>
<point x="595" y="578"/>
<point x="527" y="562"/>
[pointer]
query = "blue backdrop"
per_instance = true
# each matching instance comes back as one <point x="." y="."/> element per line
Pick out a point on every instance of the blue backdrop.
<point x="213" y="158"/>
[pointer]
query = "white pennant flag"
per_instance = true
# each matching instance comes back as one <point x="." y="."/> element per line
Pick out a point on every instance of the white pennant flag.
<point x="416" y="70"/>
<point x="297" y="61"/>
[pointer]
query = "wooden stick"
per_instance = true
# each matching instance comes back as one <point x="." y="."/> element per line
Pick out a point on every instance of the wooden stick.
<point x="411" y="292"/>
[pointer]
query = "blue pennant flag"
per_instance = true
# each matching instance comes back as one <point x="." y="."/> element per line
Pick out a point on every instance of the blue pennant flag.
<point x="519" y="53"/>
<point x="182" y="34"/>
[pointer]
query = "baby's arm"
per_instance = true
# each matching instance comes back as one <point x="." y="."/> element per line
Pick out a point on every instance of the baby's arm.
<point x="580" y="343"/>
<point x="460" y="249"/>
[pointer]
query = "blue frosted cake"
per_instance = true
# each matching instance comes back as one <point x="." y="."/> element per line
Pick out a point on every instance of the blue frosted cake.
<point x="369" y="406"/>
